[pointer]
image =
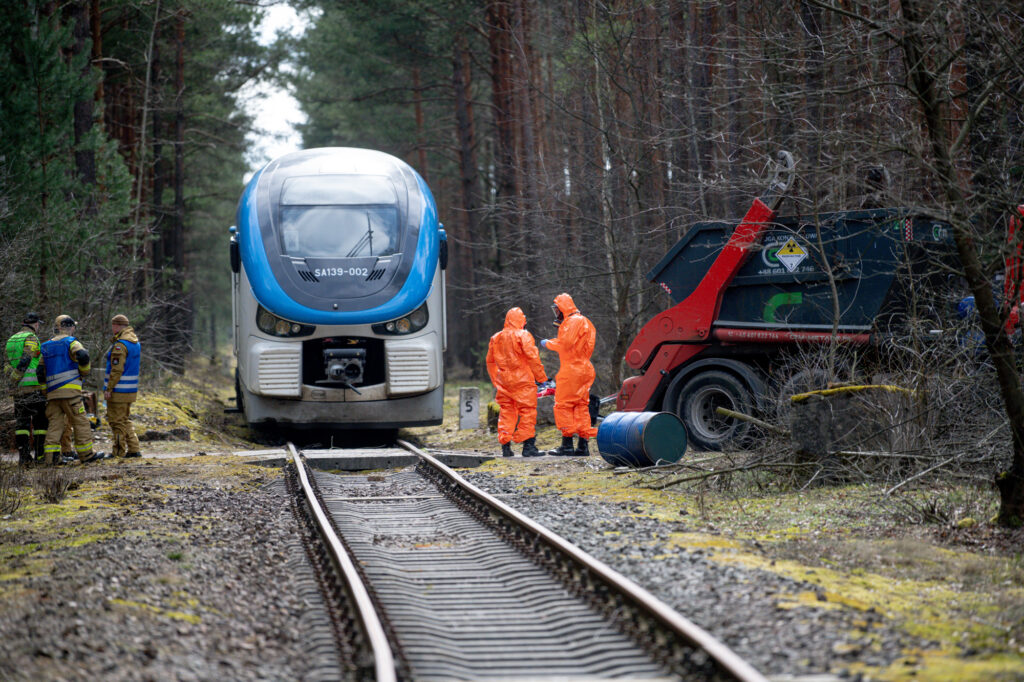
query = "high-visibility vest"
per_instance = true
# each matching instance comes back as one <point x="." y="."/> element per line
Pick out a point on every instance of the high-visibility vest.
<point x="61" y="369"/>
<point x="15" y="349"/>
<point x="129" y="381"/>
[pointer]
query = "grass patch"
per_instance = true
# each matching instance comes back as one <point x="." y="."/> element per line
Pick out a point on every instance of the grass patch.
<point x="11" y="482"/>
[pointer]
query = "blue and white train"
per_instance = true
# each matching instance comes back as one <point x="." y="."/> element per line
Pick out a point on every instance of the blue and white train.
<point x="338" y="293"/>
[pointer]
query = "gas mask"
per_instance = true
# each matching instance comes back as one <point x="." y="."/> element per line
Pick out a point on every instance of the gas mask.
<point x="559" y="317"/>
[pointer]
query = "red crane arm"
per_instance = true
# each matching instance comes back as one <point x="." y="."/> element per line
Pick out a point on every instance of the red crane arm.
<point x="689" y="321"/>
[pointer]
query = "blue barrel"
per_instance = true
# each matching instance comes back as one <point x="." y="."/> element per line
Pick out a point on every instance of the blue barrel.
<point x="641" y="439"/>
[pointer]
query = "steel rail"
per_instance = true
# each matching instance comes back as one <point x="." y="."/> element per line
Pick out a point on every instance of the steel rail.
<point x="690" y="632"/>
<point x="384" y="661"/>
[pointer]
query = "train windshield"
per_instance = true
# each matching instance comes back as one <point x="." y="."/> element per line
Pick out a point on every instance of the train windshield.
<point x="339" y="217"/>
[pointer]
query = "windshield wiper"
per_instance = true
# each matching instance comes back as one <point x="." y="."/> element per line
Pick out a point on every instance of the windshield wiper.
<point x="366" y="239"/>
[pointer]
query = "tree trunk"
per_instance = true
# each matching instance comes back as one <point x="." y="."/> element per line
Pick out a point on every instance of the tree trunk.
<point x="96" y="31"/>
<point x="505" y="173"/>
<point x="141" y="244"/>
<point x="925" y="88"/>
<point x="417" y="102"/>
<point x="182" y="304"/>
<point x="160" y="243"/>
<point x="85" y="158"/>
<point x="468" y="176"/>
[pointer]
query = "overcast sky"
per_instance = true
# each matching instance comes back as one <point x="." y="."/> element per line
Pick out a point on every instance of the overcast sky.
<point x="275" y="111"/>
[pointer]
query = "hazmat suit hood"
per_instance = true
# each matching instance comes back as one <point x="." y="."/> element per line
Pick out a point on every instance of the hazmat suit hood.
<point x="515" y="319"/>
<point x="565" y="304"/>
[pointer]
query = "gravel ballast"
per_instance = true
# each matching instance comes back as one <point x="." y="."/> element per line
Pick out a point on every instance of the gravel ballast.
<point x="187" y="569"/>
<point x="750" y="610"/>
<point x="182" y="573"/>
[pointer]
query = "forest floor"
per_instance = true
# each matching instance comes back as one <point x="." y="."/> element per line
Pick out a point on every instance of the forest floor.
<point x="926" y="559"/>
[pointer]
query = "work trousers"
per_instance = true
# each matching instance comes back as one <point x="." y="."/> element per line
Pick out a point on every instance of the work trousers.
<point x="30" y="422"/>
<point x="120" y="419"/>
<point x="572" y="416"/>
<point x="62" y="411"/>
<point x="517" y="420"/>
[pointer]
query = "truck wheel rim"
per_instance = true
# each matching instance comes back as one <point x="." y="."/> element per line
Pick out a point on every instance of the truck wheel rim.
<point x="702" y="416"/>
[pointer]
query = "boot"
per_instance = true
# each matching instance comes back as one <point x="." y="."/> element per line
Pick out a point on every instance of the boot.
<point x="581" y="448"/>
<point x="506" y="449"/>
<point x="530" y="448"/>
<point x="24" y="452"/>
<point x="40" y="448"/>
<point x="565" y="450"/>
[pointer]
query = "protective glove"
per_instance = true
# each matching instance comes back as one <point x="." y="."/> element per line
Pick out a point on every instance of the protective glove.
<point x="544" y="344"/>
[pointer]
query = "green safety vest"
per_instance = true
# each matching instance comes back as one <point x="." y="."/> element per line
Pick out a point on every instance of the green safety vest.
<point x="15" y="349"/>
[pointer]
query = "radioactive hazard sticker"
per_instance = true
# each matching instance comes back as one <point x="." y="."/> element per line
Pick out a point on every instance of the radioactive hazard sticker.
<point x="791" y="255"/>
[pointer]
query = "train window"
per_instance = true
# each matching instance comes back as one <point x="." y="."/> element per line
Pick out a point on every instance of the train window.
<point x="327" y="190"/>
<point x="339" y="231"/>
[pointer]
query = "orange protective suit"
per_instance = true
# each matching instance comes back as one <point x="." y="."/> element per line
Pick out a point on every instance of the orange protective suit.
<point x="574" y="345"/>
<point x="514" y="366"/>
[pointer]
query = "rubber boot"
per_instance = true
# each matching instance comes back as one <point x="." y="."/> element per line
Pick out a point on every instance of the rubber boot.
<point x="530" y="448"/>
<point x="565" y="450"/>
<point x="40" y="448"/>
<point x="581" y="448"/>
<point x="24" y="451"/>
<point x="506" y="449"/>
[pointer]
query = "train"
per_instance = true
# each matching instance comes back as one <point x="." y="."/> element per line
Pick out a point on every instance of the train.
<point x="338" y="266"/>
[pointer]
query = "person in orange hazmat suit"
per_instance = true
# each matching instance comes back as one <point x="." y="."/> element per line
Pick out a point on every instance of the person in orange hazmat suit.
<point x="514" y="366"/>
<point x="574" y="345"/>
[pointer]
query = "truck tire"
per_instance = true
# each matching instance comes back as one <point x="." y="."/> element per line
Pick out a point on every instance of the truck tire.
<point x="696" y="405"/>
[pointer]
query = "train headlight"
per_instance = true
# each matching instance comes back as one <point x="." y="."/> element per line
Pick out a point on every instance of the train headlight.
<point x="413" y="322"/>
<point x="269" y="323"/>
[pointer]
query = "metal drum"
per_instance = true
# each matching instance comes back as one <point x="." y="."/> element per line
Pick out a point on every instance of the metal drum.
<point x="641" y="439"/>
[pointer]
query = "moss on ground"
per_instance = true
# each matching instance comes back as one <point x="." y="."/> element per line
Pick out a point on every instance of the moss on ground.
<point x="156" y="611"/>
<point x="845" y="541"/>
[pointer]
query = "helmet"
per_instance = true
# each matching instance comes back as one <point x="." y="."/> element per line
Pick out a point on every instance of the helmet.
<point x="119" y="319"/>
<point x="64" y="321"/>
<point x="32" y="318"/>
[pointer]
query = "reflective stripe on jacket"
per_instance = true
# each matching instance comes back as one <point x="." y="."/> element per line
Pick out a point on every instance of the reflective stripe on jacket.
<point x="129" y="381"/>
<point x="61" y="368"/>
<point x="22" y="343"/>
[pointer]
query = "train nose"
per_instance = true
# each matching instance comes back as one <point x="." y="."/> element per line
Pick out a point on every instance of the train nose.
<point x="344" y="365"/>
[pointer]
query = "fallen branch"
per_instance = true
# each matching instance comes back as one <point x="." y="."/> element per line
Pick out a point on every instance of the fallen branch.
<point x="918" y="475"/>
<point x="748" y="467"/>
<point x="726" y="412"/>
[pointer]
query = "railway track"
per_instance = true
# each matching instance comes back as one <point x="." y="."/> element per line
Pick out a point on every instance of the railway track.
<point x="428" y="577"/>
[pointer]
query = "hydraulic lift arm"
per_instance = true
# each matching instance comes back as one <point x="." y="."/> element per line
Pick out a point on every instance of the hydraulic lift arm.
<point x="677" y="334"/>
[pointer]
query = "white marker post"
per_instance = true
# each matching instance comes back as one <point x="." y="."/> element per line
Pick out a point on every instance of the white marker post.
<point x="469" y="408"/>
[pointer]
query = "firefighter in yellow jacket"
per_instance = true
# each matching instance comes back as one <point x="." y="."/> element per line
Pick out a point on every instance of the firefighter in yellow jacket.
<point x="121" y="386"/>
<point x="65" y="363"/>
